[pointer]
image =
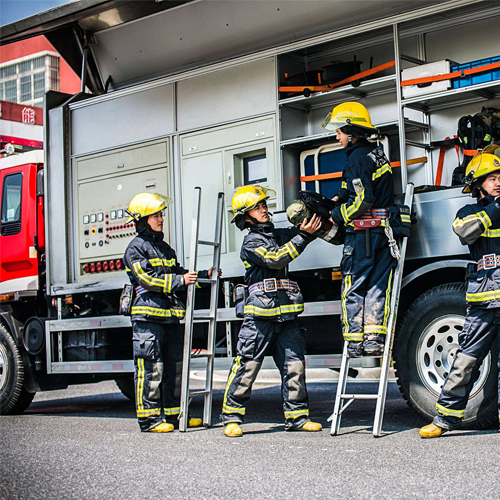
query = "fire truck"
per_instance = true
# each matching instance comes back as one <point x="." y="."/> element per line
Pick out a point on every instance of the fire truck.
<point x="180" y="94"/>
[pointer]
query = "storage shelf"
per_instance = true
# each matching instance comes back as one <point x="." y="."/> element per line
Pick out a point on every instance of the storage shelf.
<point x="387" y="128"/>
<point x="448" y="98"/>
<point x="376" y="86"/>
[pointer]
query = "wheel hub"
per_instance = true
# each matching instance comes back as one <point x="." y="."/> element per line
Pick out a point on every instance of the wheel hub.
<point x="436" y="349"/>
<point x="4" y="367"/>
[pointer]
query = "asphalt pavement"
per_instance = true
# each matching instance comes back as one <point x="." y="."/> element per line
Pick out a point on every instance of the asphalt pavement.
<point x="84" y="443"/>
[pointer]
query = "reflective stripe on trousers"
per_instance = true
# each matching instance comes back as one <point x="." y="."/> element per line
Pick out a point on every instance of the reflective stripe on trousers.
<point x="285" y="342"/>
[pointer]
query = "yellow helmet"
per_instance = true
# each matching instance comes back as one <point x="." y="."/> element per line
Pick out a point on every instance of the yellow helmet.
<point x="246" y="197"/>
<point x="478" y="168"/>
<point x="144" y="204"/>
<point x="349" y="114"/>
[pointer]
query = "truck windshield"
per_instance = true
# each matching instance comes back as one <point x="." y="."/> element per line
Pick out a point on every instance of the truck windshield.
<point x="11" y="198"/>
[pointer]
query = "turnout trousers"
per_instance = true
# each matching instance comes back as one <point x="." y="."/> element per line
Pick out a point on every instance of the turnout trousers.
<point x="481" y="329"/>
<point x="366" y="286"/>
<point x="285" y="342"/>
<point x="158" y="350"/>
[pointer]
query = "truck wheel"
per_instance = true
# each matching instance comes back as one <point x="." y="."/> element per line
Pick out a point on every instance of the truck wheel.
<point x="126" y="385"/>
<point x="13" y="397"/>
<point x="425" y="344"/>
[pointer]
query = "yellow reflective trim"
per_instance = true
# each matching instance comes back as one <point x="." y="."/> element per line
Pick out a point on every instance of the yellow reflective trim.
<point x="232" y="409"/>
<point x="171" y="411"/>
<point x="346" y="212"/>
<point x="148" y="413"/>
<point x="343" y="185"/>
<point x="265" y="254"/>
<point x="128" y="270"/>
<point x="162" y="262"/>
<point x="161" y="313"/>
<point x="141" y="274"/>
<point x="387" y="305"/>
<point x="386" y="168"/>
<point x="482" y="296"/>
<point x="234" y="370"/>
<point x="380" y="329"/>
<point x="346" y="288"/>
<point x="482" y="217"/>
<point x="275" y="311"/>
<point x="246" y="264"/>
<point x="140" y="384"/>
<point x="292" y="250"/>
<point x="353" y="337"/>
<point x="405" y="218"/>
<point x="296" y="413"/>
<point x="449" y="412"/>
<point x="491" y="233"/>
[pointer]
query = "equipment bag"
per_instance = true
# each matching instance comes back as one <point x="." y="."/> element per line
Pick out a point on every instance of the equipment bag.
<point x="400" y="220"/>
<point x="126" y="300"/>
<point x="240" y="294"/>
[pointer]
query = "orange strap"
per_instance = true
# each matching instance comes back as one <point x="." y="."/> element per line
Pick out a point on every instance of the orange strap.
<point x="470" y="152"/>
<point x="338" y="175"/>
<point x="447" y="76"/>
<point x="442" y="151"/>
<point x="330" y="86"/>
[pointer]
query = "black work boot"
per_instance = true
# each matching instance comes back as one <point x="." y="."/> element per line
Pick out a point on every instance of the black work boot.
<point x="374" y="344"/>
<point x="354" y="349"/>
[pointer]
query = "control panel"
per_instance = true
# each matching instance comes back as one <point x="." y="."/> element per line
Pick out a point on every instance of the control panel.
<point x="102" y="229"/>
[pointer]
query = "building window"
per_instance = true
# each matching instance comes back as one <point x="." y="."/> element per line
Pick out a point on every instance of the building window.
<point x="27" y="80"/>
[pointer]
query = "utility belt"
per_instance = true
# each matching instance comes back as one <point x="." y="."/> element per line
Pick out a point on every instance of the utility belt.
<point x="272" y="285"/>
<point x="490" y="261"/>
<point x="376" y="217"/>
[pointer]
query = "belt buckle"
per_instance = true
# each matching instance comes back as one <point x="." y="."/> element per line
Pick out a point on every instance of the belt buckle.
<point x="490" y="261"/>
<point x="270" y="285"/>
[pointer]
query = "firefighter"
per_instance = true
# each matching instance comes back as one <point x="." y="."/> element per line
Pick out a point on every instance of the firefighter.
<point x="478" y="226"/>
<point x="367" y="265"/>
<point x="270" y="322"/>
<point x="158" y="338"/>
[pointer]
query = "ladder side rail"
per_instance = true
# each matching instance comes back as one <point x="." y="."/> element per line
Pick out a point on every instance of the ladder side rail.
<point x="214" y="295"/>
<point x="391" y="328"/>
<point x="188" y="328"/>
<point x="341" y="387"/>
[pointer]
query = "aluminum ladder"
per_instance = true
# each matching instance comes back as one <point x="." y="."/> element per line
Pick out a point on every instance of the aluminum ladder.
<point x="343" y="399"/>
<point x="186" y="393"/>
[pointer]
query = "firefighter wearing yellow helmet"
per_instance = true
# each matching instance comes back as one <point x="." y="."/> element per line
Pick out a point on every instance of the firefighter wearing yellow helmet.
<point x="478" y="226"/>
<point x="156" y="312"/>
<point x="269" y="312"/>
<point x="367" y="264"/>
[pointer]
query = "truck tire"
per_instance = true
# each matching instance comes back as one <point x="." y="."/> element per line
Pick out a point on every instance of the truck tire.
<point x="425" y="344"/>
<point x="126" y="385"/>
<point x="14" y="398"/>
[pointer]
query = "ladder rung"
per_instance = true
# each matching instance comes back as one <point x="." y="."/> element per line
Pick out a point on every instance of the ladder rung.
<point x="359" y="396"/>
<point x="210" y="243"/>
<point x="198" y="393"/>
<point x="201" y="319"/>
<point x="205" y="280"/>
<point x="201" y="355"/>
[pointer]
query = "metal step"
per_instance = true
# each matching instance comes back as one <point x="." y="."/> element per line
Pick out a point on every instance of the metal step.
<point x="209" y="243"/>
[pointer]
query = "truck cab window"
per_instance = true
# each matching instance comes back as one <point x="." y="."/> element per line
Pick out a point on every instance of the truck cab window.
<point x="11" y="198"/>
<point x="255" y="169"/>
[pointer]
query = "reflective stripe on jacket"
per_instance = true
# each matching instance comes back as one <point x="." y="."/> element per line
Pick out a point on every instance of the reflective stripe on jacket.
<point x="152" y="264"/>
<point x="366" y="183"/>
<point x="265" y="253"/>
<point x="478" y="226"/>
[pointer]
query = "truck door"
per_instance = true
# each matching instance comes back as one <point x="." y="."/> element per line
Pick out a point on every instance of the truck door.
<point x="18" y="223"/>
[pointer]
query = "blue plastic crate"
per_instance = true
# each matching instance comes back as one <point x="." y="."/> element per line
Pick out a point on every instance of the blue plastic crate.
<point x="487" y="76"/>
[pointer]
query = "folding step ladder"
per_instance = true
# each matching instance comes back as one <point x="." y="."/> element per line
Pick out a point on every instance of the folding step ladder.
<point x="342" y="399"/>
<point x="211" y="318"/>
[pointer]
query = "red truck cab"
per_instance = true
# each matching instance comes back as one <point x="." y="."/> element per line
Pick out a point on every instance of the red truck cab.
<point x="22" y="238"/>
